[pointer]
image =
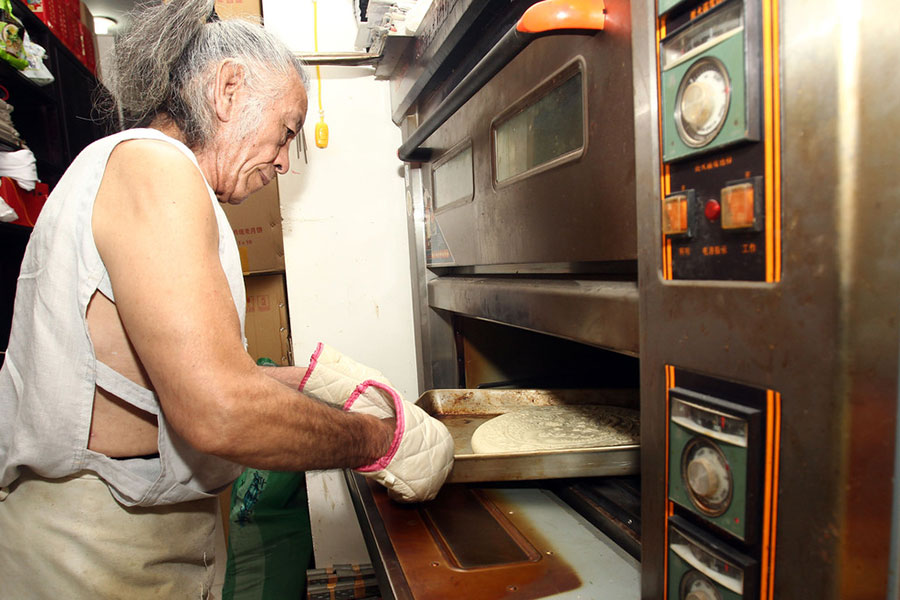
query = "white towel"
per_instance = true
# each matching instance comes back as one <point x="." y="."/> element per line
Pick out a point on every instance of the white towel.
<point x="21" y="166"/>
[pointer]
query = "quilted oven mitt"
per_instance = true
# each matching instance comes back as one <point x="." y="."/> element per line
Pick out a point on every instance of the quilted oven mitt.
<point x="421" y="454"/>
<point x="331" y="377"/>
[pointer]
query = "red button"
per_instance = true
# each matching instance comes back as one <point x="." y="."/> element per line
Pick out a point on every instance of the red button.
<point x="712" y="210"/>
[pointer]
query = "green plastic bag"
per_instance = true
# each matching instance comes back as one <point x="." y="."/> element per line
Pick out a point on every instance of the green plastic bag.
<point x="269" y="535"/>
<point x="12" y="49"/>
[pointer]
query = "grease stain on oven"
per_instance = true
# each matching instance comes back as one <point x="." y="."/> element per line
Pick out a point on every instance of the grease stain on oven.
<point x="469" y="540"/>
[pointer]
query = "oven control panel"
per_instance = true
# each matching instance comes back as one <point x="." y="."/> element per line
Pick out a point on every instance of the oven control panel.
<point x="722" y="480"/>
<point x="701" y="568"/>
<point x="714" y="461"/>
<point x="720" y="212"/>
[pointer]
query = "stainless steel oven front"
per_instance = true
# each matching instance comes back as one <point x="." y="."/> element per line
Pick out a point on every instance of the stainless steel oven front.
<point x="520" y="183"/>
<point x="537" y="167"/>
<point x="692" y="198"/>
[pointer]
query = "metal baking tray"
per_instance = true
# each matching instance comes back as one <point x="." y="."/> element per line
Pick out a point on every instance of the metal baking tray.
<point x="462" y="411"/>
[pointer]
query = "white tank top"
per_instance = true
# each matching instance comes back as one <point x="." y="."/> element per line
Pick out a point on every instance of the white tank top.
<point x="48" y="378"/>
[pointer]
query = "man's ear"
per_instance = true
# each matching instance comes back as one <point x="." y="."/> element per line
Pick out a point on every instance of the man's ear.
<point x="228" y="82"/>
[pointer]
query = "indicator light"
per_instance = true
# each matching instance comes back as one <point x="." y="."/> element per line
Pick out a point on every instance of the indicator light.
<point x="739" y="206"/>
<point x="675" y="214"/>
<point x="712" y="210"/>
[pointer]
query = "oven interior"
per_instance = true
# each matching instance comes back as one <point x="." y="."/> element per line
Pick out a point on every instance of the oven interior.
<point x="498" y="356"/>
<point x="526" y="532"/>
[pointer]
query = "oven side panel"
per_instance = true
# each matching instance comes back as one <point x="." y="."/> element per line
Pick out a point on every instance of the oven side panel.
<point x="823" y="340"/>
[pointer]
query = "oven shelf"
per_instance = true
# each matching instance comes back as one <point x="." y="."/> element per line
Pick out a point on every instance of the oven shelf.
<point x="599" y="313"/>
<point x="489" y="542"/>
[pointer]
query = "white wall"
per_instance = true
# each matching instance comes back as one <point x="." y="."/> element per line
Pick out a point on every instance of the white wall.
<point x="292" y="21"/>
<point x="104" y="56"/>
<point x="345" y="241"/>
<point x="344" y="220"/>
<point x="346" y="249"/>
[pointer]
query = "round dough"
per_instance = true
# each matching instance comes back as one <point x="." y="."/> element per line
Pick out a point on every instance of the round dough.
<point x="557" y="427"/>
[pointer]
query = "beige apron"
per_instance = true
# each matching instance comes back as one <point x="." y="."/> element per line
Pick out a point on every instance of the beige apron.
<point x="69" y="538"/>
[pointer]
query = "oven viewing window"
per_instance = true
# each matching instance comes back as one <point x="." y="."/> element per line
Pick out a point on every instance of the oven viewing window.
<point x="546" y="127"/>
<point x="453" y="179"/>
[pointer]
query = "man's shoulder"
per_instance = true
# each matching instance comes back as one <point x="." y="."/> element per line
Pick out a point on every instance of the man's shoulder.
<point x="153" y="164"/>
<point x="148" y="151"/>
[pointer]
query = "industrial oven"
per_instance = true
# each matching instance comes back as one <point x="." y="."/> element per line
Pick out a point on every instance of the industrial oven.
<point x="684" y="207"/>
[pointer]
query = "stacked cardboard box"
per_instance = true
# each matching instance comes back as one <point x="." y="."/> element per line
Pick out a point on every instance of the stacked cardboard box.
<point x="257" y="229"/>
<point x="256" y="223"/>
<point x="267" y="327"/>
<point x="227" y="9"/>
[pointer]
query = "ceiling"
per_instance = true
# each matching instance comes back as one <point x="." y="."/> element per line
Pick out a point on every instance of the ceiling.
<point x="116" y="9"/>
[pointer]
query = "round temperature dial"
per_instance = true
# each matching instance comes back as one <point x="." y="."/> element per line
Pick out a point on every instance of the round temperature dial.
<point x="707" y="477"/>
<point x="701" y="105"/>
<point x="695" y="586"/>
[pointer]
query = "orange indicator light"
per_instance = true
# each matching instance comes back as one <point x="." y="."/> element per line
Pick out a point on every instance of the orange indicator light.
<point x="738" y="206"/>
<point x="675" y="214"/>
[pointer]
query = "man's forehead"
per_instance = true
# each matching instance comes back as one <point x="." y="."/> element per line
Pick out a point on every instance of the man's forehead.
<point x="298" y="104"/>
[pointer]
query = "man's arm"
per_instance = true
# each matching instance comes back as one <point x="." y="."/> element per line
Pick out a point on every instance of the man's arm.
<point x="289" y="376"/>
<point x="156" y="232"/>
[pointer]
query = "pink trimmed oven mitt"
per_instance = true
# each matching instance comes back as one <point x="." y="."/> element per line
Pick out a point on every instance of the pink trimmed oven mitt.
<point x="421" y="454"/>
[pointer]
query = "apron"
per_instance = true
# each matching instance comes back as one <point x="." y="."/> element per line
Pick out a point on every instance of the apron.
<point x="69" y="538"/>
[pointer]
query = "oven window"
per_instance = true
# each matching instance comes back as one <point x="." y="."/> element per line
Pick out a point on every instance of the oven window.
<point x="453" y="180"/>
<point x="550" y="126"/>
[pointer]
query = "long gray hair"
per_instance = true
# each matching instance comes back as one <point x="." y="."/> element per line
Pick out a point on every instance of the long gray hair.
<point x="165" y="65"/>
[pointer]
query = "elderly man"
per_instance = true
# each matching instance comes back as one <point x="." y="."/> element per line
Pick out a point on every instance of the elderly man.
<point x="127" y="399"/>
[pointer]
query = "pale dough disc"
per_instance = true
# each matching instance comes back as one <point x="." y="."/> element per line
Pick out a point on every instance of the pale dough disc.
<point x="557" y="427"/>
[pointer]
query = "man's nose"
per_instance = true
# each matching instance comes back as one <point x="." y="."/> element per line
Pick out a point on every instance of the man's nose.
<point x="283" y="160"/>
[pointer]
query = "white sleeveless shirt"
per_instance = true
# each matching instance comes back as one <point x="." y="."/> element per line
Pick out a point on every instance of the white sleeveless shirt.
<point x="48" y="378"/>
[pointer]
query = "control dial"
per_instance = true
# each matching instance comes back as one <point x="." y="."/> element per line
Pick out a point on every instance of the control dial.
<point x="701" y="105"/>
<point x="707" y="476"/>
<point x="695" y="586"/>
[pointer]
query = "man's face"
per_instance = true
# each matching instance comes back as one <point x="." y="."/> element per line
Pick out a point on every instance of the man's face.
<point x="254" y="160"/>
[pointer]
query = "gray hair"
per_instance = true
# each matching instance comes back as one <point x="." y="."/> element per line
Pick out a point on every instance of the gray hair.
<point x="165" y="65"/>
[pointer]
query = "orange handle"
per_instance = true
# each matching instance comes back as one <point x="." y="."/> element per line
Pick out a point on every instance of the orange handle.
<point x="563" y="14"/>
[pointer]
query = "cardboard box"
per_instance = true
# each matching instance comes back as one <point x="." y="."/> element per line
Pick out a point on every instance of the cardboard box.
<point x="267" y="327"/>
<point x="256" y="223"/>
<point x="227" y="9"/>
<point x="87" y="19"/>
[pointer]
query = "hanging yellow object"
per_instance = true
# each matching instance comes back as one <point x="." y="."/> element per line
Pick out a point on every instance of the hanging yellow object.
<point x="321" y="126"/>
<point x="322" y="134"/>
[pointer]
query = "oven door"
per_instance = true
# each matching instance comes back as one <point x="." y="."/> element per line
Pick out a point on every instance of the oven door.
<point x="537" y="167"/>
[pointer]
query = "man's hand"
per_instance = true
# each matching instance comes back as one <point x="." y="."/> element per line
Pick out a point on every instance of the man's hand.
<point x="420" y="455"/>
